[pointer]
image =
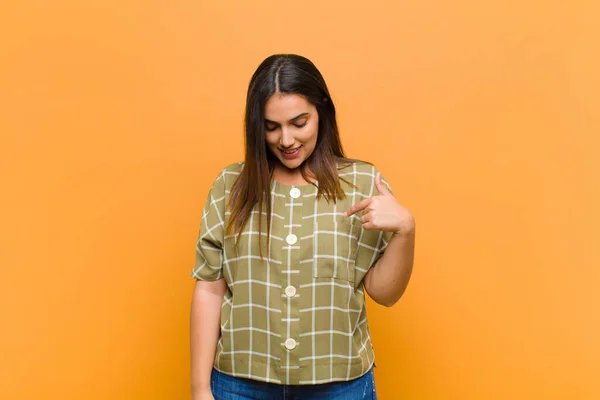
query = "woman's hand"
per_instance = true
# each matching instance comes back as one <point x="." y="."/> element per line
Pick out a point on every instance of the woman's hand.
<point x="383" y="212"/>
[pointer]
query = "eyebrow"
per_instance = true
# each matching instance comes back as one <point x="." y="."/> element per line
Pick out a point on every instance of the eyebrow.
<point x="291" y="120"/>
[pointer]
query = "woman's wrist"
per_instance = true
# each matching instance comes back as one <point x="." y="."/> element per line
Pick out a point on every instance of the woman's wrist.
<point x="405" y="231"/>
<point x="200" y="391"/>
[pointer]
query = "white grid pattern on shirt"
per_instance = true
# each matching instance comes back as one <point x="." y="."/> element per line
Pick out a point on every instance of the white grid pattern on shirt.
<point x="366" y="252"/>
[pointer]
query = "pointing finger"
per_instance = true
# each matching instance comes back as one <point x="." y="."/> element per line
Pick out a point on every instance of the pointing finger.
<point x="361" y="205"/>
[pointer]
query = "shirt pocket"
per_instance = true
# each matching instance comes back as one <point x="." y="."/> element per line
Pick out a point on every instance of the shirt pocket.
<point x="334" y="249"/>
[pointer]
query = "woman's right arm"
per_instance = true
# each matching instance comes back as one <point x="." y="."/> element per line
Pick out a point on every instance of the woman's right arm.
<point x="205" y="320"/>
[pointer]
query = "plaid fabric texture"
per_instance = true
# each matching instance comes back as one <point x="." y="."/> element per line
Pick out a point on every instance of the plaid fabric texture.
<point x="297" y="315"/>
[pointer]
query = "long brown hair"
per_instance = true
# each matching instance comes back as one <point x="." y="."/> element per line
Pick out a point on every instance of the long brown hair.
<point x="290" y="74"/>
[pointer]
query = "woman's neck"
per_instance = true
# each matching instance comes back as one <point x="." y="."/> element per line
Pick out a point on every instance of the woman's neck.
<point x="290" y="177"/>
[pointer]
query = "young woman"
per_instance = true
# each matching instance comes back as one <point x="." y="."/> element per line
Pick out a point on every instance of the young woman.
<point x="288" y="240"/>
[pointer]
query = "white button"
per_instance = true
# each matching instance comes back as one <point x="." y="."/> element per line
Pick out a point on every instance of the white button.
<point x="290" y="291"/>
<point x="291" y="239"/>
<point x="290" y="344"/>
<point x="295" y="193"/>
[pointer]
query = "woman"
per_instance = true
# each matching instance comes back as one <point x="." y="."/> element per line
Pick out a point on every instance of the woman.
<point x="287" y="242"/>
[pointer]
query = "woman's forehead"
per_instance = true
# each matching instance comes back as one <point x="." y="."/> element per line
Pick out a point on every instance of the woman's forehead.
<point x="282" y="107"/>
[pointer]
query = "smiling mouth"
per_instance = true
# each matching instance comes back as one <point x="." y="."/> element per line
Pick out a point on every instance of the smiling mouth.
<point x="292" y="151"/>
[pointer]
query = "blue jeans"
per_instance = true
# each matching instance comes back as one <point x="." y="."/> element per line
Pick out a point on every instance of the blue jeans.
<point x="225" y="387"/>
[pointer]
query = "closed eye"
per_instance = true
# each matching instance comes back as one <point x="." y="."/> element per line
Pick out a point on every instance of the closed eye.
<point x="270" y="128"/>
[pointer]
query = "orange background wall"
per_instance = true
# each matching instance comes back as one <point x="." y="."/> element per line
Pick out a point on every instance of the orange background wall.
<point x="116" y="116"/>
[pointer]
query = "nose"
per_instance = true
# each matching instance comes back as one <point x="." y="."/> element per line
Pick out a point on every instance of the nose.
<point x="287" y="139"/>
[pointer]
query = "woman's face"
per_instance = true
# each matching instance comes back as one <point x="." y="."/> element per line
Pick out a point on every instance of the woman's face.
<point x="292" y="126"/>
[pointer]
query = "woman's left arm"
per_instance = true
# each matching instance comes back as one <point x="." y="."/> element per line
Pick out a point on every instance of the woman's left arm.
<point x="386" y="281"/>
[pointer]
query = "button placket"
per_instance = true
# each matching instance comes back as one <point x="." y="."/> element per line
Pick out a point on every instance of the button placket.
<point x="290" y="290"/>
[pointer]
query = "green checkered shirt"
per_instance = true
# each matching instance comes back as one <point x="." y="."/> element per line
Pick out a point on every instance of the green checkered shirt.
<point x="297" y="316"/>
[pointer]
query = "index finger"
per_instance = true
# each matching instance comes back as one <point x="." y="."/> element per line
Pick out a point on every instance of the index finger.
<point x="361" y="205"/>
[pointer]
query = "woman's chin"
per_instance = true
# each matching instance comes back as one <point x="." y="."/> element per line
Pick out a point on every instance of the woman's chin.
<point x="291" y="164"/>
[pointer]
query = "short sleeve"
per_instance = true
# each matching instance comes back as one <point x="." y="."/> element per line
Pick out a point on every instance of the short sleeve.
<point x="209" y="247"/>
<point x="372" y="244"/>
